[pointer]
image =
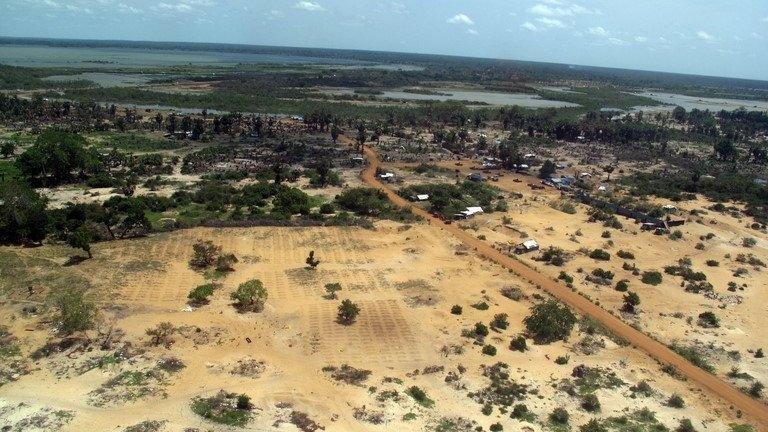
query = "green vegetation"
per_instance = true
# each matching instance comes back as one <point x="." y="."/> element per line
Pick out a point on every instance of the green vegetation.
<point x="449" y="199"/>
<point x="76" y="312"/>
<point x="549" y="322"/>
<point x="250" y="296"/>
<point x="224" y="408"/>
<point x="348" y="312"/>
<point x="420" y="396"/>
<point x="199" y="295"/>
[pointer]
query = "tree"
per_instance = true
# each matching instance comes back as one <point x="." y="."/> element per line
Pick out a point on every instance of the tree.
<point x="161" y="334"/>
<point x="361" y="136"/>
<point x="23" y="215"/>
<point x="311" y="261"/>
<point x="678" y="114"/>
<point x="250" y="296"/>
<point x="631" y="301"/>
<point x="198" y="129"/>
<point x="335" y="132"/>
<point x="75" y="312"/>
<point x="547" y="169"/>
<point x="7" y="149"/>
<point x="549" y="322"/>
<point x="226" y="262"/>
<point x="725" y="150"/>
<point x="500" y="321"/>
<point x="81" y="238"/>
<point x="609" y="169"/>
<point x="170" y="123"/>
<point x="54" y="156"/>
<point x="199" y="295"/>
<point x="348" y="312"/>
<point x="332" y="289"/>
<point x="205" y="253"/>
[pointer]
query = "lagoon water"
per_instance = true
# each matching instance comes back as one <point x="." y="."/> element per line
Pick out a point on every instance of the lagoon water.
<point x="88" y="57"/>
<point x="479" y="96"/>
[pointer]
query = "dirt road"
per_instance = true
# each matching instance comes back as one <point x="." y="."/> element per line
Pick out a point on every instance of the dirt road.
<point x="749" y="407"/>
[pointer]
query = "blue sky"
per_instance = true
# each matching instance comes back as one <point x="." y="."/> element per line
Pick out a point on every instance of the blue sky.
<point x="709" y="37"/>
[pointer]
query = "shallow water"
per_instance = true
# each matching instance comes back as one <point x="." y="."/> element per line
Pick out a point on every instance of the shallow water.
<point x="85" y="57"/>
<point x="488" y="97"/>
<point x="107" y="79"/>
<point x="691" y="102"/>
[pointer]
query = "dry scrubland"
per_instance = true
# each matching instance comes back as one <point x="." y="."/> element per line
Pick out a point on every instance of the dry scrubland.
<point x="713" y="242"/>
<point x="404" y="278"/>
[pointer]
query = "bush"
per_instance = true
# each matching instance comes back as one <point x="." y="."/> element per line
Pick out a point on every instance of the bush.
<point x="520" y="411"/>
<point x="565" y="277"/>
<point x="748" y="242"/>
<point x="676" y="235"/>
<point x="590" y="402"/>
<point x="622" y="285"/>
<point x="606" y="234"/>
<point x="75" y="311"/>
<point x="205" y="253"/>
<point x="200" y="294"/>
<point x="456" y="310"/>
<point x="600" y="255"/>
<point x="332" y="289"/>
<point x="651" y="278"/>
<point x="327" y="208"/>
<point x="500" y="321"/>
<point x="518" y="344"/>
<point x="559" y="416"/>
<point x="631" y="302"/>
<point x="603" y="274"/>
<point x="625" y="255"/>
<point x="685" y="426"/>
<point x="496" y="427"/>
<point x="481" y="306"/>
<point x="489" y="350"/>
<point x="481" y="329"/>
<point x="593" y="426"/>
<point x="549" y="322"/>
<point x="562" y="360"/>
<point x="756" y="389"/>
<point x="713" y="263"/>
<point x="676" y="401"/>
<point x="250" y="296"/>
<point x="348" y="312"/>
<point x="226" y="262"/>
<point x="708" y="320"/>
<point x="420" y="396"/>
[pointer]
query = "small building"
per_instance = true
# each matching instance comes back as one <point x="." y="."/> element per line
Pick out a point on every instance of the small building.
<point x="419" y="197"/>
<point x="388" y="177"/>
<point x="476" y="177"/>
<point x="527" y="246"/>
<point x="468" y="213"/>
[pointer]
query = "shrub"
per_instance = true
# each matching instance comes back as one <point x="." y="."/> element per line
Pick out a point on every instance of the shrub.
<point x="226" y="262"/>
<point x="606" y="234"/>
<point x="676" y="401"/>
<point x="593" y="426"/>
<point x="500" y="321"/>
<point x="481" y="306"/>
<point x="590" y="402"/>
<point x="489" y="350"/>
<point x="327" y="208"/>
<point x="559" y="416"/>
<point x="748" y="242"/>
<point x="549" y="322"/>
<point x="332" y="289"/>
<point x="759" y="353"/>
<point x="602" y="274"/>
<point x="756" y="389"/>
<point x="518" y="344"/>
<point x="496" y="427"/>
<point x="600" y="255"/>
<point x="631" y="301"/>
<point x="625" y="255"/>
<point x="348" y="312"/>
<point x="651" y="278"/>
<point x="565" y="277"/>
<point x="622" y="285"/>
<point x="520" y="411"/>
<point x="420" y="396"/>
<point x="713" y="263"/>
<point x="250" y="296"/>
<point x="676" y="235"/>
<point x="456" y="310"/>
<point x="311" y="261"/>
<point x="685" y="426"/>
<point x="200" y="294"/>
<point x="708" y="320"/>
<point x="562" y="360"/>
<point x="204" y="254"/>
<point x="75" y="312"/>
<point x="481" y="329"/>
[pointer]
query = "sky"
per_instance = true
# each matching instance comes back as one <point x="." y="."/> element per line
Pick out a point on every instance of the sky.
<point x="706" y="37"/>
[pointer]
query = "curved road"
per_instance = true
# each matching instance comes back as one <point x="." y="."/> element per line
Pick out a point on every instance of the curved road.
<point x="749" y="407"/>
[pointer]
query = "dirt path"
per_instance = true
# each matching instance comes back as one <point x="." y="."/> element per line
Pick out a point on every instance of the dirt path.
<point x="748" y="406"/>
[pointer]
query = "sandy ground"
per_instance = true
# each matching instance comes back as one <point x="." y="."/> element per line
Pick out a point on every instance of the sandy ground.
<point x="404" y="278"/>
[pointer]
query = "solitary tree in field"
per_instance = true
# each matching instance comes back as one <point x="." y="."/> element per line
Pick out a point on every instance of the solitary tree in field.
<point x="226" y="262"/>
<point x="205" y="253"/>
<point x="361" y="136"/>
<point x="311" y="261"/>
<point x="609" y="169"/>
<point x="335" y="132"/>
<point x="250" y="296"/>
<point x="81" y="238"/>
<point x="631" y="301"/>
<point x="348" y="312"/>
<point x="332" y="289"/>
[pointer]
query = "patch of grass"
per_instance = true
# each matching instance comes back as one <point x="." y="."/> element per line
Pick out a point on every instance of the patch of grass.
<point x="134" y="142"/>
<point x="420" y="396"/>
<point x="223" y="408"/>
<point x="694" y="356"/>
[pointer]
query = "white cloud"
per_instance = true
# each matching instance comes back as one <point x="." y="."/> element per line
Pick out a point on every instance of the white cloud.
<point x="461" y="19"/>
<point x="558" y="8"/>
<point x="706" y="37"/>
<point x="641" y="39"/>
<point x="309" y="6"/>
<point x="178" y="7"/>
<point x="597" y="31"/>
<point x="472" y="31"/>
<point x="124" y="8"/>
<point x="529" y="26"/>
<point x="275" y="14"/>
<point x="617" y="41"/>
<point x="551" y="22"/>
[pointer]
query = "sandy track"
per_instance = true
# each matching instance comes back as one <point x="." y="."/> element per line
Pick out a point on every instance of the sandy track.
<point x="748" y="406"/>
